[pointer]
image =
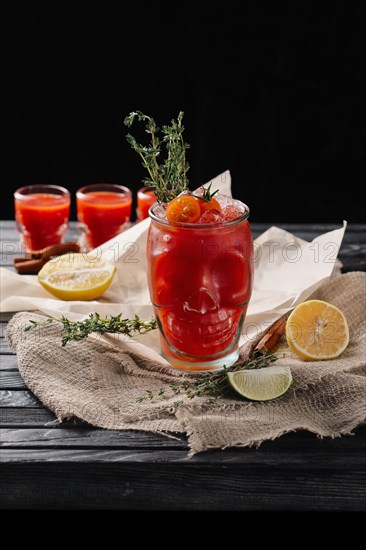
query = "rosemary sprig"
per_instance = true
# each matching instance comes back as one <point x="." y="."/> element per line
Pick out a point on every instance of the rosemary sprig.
<point x="78" y="330"/>
<point x="210" y="384"/>
<point x="164" y="159"/>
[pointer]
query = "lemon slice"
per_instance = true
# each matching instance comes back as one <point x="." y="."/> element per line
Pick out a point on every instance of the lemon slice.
<point x="76" y="277"/>
<point x="317" y="330"/>
<point x="261" y="384"/>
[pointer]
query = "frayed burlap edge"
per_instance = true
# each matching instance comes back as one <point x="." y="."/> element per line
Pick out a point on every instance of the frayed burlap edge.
<point x="101" y="384"/>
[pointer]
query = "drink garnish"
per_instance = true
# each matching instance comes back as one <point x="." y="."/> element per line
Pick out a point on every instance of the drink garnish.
<point x="164" y="158"/>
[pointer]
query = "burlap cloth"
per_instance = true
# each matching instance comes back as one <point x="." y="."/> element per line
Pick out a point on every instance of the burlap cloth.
<point x="95" y="381"/>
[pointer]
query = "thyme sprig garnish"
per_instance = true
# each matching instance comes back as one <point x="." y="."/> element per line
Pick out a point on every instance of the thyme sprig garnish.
<point x="78" y="330"/>
<point x="210" y="384"/>
<point x="164" y="158"/>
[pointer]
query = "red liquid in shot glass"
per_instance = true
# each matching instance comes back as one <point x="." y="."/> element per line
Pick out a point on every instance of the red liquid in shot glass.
<point x="145" y="198"/>
<point x="104" y="214"/>
<point x="42" y="218"/>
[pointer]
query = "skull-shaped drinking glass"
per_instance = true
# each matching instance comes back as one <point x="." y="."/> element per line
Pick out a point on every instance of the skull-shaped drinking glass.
<point x="200" y="280"/>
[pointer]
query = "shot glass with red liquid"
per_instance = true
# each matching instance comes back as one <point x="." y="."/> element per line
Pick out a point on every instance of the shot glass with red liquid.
<point x="42" y="215"/>
<point x="103" y="211"/>
<point x="145" y="198"/>
<point x="200" y="281"/>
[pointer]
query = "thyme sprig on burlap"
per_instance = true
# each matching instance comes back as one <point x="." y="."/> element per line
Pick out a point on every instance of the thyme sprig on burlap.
<point x="78" y="330"/>
<point x="210" y="384"/>
<point x="163" y="158"/>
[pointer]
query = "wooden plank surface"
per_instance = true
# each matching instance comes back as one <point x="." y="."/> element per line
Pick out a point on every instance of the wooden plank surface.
<point x="11" y="380"/>
<point x="8" y="362"/>
<point x="93" y="468"/>
<point x="4" y="348"/>
<point x="10" y="398"/>
<point x="28" y="416"/>
<point x="301" y="446"/>
<point x="86" y="437"/>
<point x="170" y="480"/>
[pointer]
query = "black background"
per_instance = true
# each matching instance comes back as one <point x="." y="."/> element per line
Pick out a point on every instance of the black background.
<point x="272" y="91"/>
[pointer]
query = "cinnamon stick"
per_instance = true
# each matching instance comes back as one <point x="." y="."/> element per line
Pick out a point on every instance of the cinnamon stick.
<point x="52" y="250"/>
<point x="57" y="250"/>
<point x="29" y="266"/>
<point x="270" y="339"/>
<point x="36" y="259"/>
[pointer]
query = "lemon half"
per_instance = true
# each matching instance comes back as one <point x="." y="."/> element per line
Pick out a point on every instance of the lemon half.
<point x="76" y="276"/>
<point x="317" y="330"/>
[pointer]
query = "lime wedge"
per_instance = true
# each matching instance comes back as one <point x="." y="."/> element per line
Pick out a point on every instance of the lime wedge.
<point x="261" y="384"/>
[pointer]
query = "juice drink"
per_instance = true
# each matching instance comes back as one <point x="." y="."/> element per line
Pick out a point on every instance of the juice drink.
<point x="200" y="281"/>
<point x="103" y="212"/>
<point x="145" y="198"/>
<point x="42" y="214"/>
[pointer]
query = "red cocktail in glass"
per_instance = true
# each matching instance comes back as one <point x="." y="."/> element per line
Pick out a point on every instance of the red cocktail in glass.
<point x="145" y="198"/>
<point x="103" y="210"/>
<point x="42" y="215"/>
<point x="200" y="281"/>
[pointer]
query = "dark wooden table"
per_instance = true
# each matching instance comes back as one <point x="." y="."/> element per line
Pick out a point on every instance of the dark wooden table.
<point x="46" y="465"/>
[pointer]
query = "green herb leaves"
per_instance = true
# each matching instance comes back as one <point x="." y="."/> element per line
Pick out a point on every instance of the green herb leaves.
<point x="212" y="385"/>
<point x="164" y="158"/>
<point x="78" y="330"/>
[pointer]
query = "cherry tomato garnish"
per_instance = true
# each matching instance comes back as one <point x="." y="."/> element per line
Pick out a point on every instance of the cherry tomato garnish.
<point x="212" y="204"/>
<point x="184" y="209"/>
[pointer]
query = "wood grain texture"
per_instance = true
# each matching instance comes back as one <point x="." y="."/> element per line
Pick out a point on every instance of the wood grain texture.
<point x="83" y="437"/>
<point x="4" y="348"/>
<point x="301" y="448"/>
<point x="8" y="362"/>
<point x="11" y="380"/>
<point x="27" y="416"/>
<point x="170" y="480"/>
<point x="5" y="316"/>
<point x="18" y="398"/>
